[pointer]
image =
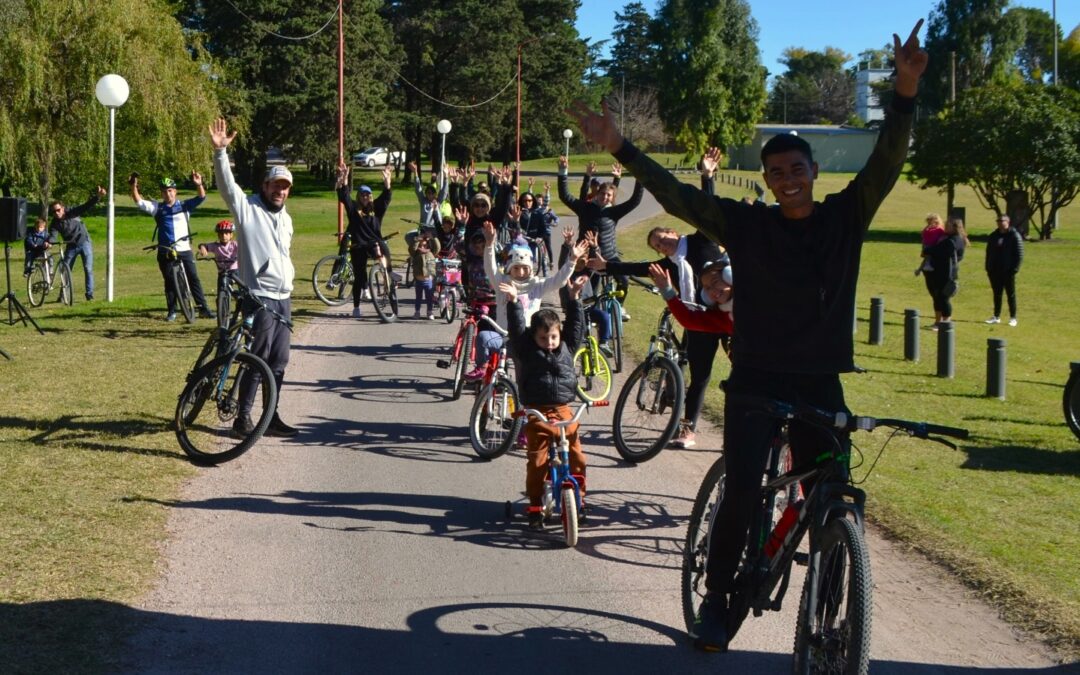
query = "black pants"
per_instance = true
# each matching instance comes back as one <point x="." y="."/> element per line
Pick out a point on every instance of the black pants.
<point x="935" y="286"/>
<point x="271" y="343"/>
<point x="700" y="353"/>
<point x="747" y="437"/>
<point x="187" y="260"/>
<point x="359" y="256"/>
<point x="1003" y="281"/>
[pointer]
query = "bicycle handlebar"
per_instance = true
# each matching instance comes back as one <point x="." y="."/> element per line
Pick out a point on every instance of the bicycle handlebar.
<point x="648" y="287"/>
<point x="484" y="318"/>
<point x="242" y="292"/>
<point x="172" y="245"/>
<point x="533" y="412"/>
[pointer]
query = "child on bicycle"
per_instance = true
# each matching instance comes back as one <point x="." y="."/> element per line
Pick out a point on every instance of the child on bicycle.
<point x="596" y="312"/>
<point x="422" y="253"/>
<point x="224" y="251"/>
<point x="546" y="381"/>
<point x="35" y="244"/>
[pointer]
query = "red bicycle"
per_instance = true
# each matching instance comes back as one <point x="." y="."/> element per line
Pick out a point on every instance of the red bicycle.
<point x="464" y="350"/>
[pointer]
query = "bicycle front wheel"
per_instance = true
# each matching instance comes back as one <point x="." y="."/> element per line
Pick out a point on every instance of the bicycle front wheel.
<point x="493" y="428"/>
<point x="833" y="630"/>
<point x="1071" y="402"/>
<point x="183" y="293"/>
<point x="209" y="408"/>
<point x="616" y="336"/>
<point x="569" y="516"/>
<point x="593" y="373"/>
<point x="37" y="286"/>
<point x="332" y="280"/>
<point x="648" y="409"/>
<point x="63" y="277"/>
<point x="696" y="546"/>
<point x="383" y="293"/>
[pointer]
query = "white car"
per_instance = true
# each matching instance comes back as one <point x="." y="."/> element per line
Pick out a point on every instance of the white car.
<point x="378" y="157"/>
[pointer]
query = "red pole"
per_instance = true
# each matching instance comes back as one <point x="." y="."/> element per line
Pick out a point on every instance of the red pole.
<point x="341" y="105"/>
<point x="517" y="155"/>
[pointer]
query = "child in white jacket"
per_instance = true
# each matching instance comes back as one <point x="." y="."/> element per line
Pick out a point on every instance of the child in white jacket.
<point x="530" y="289"/>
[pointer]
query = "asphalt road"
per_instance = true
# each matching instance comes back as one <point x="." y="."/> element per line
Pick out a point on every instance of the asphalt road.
<point x="376" y="542"/>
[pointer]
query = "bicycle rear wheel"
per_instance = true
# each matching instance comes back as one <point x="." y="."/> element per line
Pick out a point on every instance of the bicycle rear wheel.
<point x="833" y="630"/>
<point x="332" y="280"/>
<point x="1071" y="402"/>
<point x="648" y="409"/>
<point x="493" y="428"/>
<point x="183" y="292"/>
<point x="63" y="277"/>
<point x="696" y="546"/>
<point x="463" y="359"/>
<point x="593" y="373"/>
<point x="383" y="293"/>
<point x="209" y="406"/>
<point x="616" y="336"/>
<point x="37" y="286"/>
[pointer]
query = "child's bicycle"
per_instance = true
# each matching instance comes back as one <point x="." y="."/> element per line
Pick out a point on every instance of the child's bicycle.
<point x="448" y="290"/>
<point x="590" y="365"/>
<point x="48" y="272"/>
<point x="493" y="427"/>
<point x="223" y="372"/>
<point x="833" y="629"/>
<point x="333" y="276"/>
<point x="174" y="270"/>
<point x="610" y="300"/>
<point x="562" y="489"/>
<point x="463" y="351"/>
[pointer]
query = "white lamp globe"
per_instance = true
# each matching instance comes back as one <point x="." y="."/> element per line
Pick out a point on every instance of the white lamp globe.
<point x="566" y="133"/>
<point x="443" y="127"/>
<point x="112" y="91"/>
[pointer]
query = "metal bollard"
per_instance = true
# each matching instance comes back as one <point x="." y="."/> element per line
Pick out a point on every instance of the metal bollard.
<point x="995" y="368"/>
<point x="877" y="320"/>
<point x="946" y="350"/>
<point x="911" y="335"/>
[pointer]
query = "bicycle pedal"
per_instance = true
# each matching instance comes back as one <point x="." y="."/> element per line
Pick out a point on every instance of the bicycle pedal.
<point x="801" y="559"/>
<point x="442" y="363"/>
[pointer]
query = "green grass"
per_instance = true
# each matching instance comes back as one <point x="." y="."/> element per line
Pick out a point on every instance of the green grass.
<point x="1000" y="511"/>
<point x="87" y="464"/>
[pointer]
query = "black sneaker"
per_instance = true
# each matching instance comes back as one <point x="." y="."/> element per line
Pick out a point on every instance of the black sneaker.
<point x="710" y="626"/>
<point x="279" y="429"/>
<point x="207" y="313"/>
<point x="242" y="427"/>
<point x="536" y="518"/>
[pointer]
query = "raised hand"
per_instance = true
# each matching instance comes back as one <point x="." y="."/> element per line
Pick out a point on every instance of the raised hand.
<point x="562" y="162"/>
<point x="100" y="191"/>
<point x="590" y="168"/>
<point x="509" y="289"/>
<point x="710" y="161"/>
<point x="580" y="249"/>
<point x="575" y="285"/>
<point x="616" y="170"/>
<point x="599" y="128"/>
<point x="597" y="263"/>
<point x="412" y="167"/>
<point x="219" y="134"/>
<point x="196" y="178"/>
<point x="911" y="62"/>
<point x="568" y="234"/>
<point x="514" y="213"/>
<point x="489" y="232"/>
<point x="659" y="276"/>
<point x="461" y="212"/>
<point x="387" y="175"/>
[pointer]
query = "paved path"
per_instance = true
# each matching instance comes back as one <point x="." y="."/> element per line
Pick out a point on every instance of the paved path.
<point x="375" y="542"/>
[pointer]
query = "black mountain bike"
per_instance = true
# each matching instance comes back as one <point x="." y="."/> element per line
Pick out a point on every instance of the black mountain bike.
<point x="1071" y="401"/>
<point x="175" y="270"/>
<point x="210" y="402"/>
<point x="833" y="630"/>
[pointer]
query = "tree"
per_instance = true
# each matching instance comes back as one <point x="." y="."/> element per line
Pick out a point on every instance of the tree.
<point x="633" y="54"/>
<point x="639" y="116"/>
<point x="53" y="132"/>
<point x="708" y="60"/>
<point x="1069" y="60"/>
<point x="815" y="89"/>
<point x="1035" y="57"/>
<point x="1006" y="139"/>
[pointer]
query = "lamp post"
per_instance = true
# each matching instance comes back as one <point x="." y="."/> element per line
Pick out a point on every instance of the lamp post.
<point x="567" y="134"/>
<point x="443" y="127"/>
<point x="112" y="92"/>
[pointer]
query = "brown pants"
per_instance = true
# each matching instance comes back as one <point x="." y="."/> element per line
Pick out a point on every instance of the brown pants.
<point x="539" y="437"/>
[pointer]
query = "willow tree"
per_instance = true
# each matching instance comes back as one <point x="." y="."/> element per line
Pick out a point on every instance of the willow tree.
<point x="54" y="133"/>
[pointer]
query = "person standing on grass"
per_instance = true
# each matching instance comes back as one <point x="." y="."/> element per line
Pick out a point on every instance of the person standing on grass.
<point x="68" y="224"/>
<point x="798" y="265"/>
<point x="1004" y="253"/>
<point x="264" y="232"/>
<point x="364" y="228"/>
<point x="172" y="228"/>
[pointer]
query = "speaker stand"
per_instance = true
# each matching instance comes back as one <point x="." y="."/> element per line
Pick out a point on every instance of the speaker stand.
<point x="16" y="311"/>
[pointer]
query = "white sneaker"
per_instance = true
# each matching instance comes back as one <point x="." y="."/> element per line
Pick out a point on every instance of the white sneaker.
<point x="356" y="313"/>
<point x="1012" y="321"/>
<point x="431" y="317"/>
<point x="625" y="315"/>
<point x="366" y="295"/>
<point x="993" y="319"/>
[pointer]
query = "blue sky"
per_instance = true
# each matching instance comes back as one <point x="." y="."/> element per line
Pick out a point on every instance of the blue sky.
<point x="850" y="25"/>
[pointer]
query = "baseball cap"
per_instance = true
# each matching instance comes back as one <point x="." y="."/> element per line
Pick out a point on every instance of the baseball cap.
<point x="364" y="188"/>
<point x="278" y="173"/>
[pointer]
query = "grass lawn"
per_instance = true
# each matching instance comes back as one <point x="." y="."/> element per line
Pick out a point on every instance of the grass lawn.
<point x="86" y="461"/>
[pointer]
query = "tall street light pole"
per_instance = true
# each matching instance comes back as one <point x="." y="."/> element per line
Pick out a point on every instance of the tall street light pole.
<point x="443" y="127"/>
<point x="341" y="104"/>
<point x="112" y="92"/>
<point x="567" y="134"/>
<point x="520" y="47"/>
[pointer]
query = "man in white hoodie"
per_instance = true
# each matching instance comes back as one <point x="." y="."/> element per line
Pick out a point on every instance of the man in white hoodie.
<point x="264" y="233"/>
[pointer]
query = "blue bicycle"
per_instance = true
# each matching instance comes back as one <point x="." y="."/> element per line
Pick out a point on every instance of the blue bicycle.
<point x="562" y="489"/>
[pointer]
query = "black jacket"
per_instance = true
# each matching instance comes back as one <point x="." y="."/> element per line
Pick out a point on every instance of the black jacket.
<point x="365" y="228"/>
<point x="699" y="250"/>
<point x="594" y="218"/>
<point x="1004" y="252"/>
<point x="72" y="229"/>
<point x="545" y="378"/>
<point x="797" y="278"/>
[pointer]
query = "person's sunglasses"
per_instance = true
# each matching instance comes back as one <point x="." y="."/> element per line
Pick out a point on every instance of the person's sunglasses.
<point x="479" y="205"/>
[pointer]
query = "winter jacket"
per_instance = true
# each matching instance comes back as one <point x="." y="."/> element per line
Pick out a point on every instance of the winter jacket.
<point x="365" y="228"/>
<point x="72" y="229"/>
<point x="423" y="262"/>
<point x="594" y="218"/>
<point x="545" y="377"/>
<point x="264" y="236"/>
<point x="534" y="289"/>
<point x="1004" y="252"/>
